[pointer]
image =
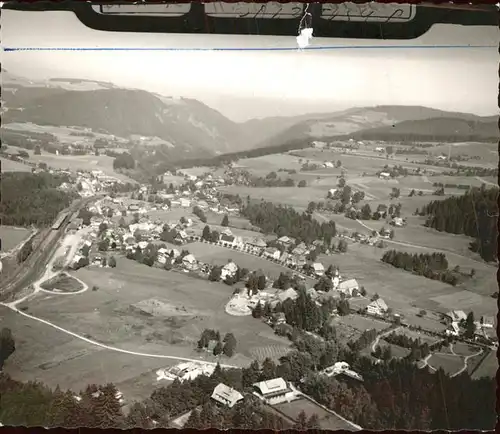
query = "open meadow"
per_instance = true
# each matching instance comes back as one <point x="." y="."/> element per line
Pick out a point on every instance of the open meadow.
<point x="11" y="236"/>
<point x="134" y="308"/>
<point x="7" y="165"/>
<point x="488" y="367"/>
<point x="406" y="292"/>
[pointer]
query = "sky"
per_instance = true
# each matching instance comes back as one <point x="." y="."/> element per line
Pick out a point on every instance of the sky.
<point x="245" y="84"/>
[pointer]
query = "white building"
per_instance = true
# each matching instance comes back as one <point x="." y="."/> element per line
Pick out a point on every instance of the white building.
<point x="189" y="262"/>
<point x="377" y="307"/>
<point x="185" y="371"/>
<point x="341" y="368"/>
<point x="229" y="270"/>
<point x="348" y="287"/>
<point x="226" y="395"/>
<point x="319" y="269"/>
<point x="289" y="293"/>
<point x="384" y="175"/>
<point x="275" y="391"/>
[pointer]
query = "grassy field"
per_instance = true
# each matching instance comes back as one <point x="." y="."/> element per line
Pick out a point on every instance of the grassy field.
<point x="449" y="362"/>
<point x="73" y="163"/>
<point x="327" y="420"/>
<point x="110" y="316"/>
<point x="488" y="368"/>
<point x="397" y="352"/>
<point x="62" y="283"/>
<point x="463" y="349"/>
<point x="7" y="165"/>
<point x="403" y="291"/>
<point x="11" y="236"/>
<point x="45" y="354"/>
<point x="350" y="327"/>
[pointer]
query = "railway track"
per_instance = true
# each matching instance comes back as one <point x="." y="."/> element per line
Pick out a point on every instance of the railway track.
<point x="38" y="259"/>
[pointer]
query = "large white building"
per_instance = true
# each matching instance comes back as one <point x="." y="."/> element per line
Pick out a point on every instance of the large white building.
<point x="275" y="391"/>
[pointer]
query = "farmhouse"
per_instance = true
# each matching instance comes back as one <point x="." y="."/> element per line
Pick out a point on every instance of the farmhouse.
<point x="319" y="269"/>
<point x="257" y="243"/>
<point x="328" y="164"/>
<point x="453" y="329"/>
<point x="380" y="149"/>
<point x="226" y="395"/>
<point x="300" y="250"/>
<point x="384" y="175"/>
<point x="272" y="252"/>
<point x="185" y="371"/>
<point x="286" y="241"/>
<point x="229" y="270"/>
<point x="341" y="368"/>
<point x="377" y="307"/>
<point x="274" y="391"/>
<point x="456" y="316"/>
<point x="189" y="262"/>
<point x="348" y="287"/>
<point x="185" y="203"/>
<point x="288" y="293"/>
<point x="397" y="221"/>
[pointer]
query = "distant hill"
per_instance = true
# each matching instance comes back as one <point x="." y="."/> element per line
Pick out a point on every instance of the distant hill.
<point x="388" y="123"/>
<point x="188" y="126"/>
<point x="436" y="129"/>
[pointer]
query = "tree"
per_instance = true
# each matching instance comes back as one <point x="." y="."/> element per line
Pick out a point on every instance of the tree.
<point x="257" y="311"/>
<point x="470" y="326"/>
<point x="215" y="274"/>
<point x="261" y="282"/>
<point x="313" y="422"/>
<point x="218" y="348"/>
<point x="225" y="220"/>
<point x="366" y="212"/>
<point x="206" y="233"/>
<point x="341" y="182"/>
<point x="112" y="262"/>
<point x="301" y="423"/>
<point x="302" y="183"/>
<point x="7" y="346"/>
<point x="38" y="150"/>
<point x="342" y="247"/>
<point x="229" y="344"/>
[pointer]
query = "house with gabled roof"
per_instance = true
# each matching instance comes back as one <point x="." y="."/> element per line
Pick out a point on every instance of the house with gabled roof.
<point x="348" y="287"/>
<point x="272" y="253"/>
<point x="226" y="395"/>
<point x="228" y="270"/>
<point x="275" y="391"/>
<point x="288" y="293"/>
<point x="189" y="262"/>
<point x="377" y="307"/>
<point x="319" y="269"/>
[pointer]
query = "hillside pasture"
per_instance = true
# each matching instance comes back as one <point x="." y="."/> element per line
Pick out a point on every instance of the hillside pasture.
<point x="291" y="196"/>
<point x="450" y="363"/>
<point x="11" y="237"/>
<point x="115" y="315"/>
<point x="403" y="291"/>
<point x="488" y="367"/>
<point x="55" y="358"/>
<point x="486" y="151"/>
<point x="261" y="166"/>
<point x="7" y="165"/>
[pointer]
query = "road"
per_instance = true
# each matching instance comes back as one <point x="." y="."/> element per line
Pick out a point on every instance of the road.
<point x="380" y="336"/>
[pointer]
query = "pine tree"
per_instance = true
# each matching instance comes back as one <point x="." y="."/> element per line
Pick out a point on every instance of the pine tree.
<point x="225" y="221"/>
<point x="206" y="233"/>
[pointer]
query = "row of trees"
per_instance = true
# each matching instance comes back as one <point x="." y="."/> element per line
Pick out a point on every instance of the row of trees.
<point x="433" y="266"/>
<point x="474" y="214"/>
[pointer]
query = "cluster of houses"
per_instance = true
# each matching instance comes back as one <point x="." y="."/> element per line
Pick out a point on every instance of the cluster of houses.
<point x="455" y="320"/>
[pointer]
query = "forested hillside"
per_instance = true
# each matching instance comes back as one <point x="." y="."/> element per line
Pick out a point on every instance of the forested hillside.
<point x="28" y="198"/>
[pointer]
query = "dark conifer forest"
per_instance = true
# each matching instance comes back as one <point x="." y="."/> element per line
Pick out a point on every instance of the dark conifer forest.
<point x="474" y="214"/>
